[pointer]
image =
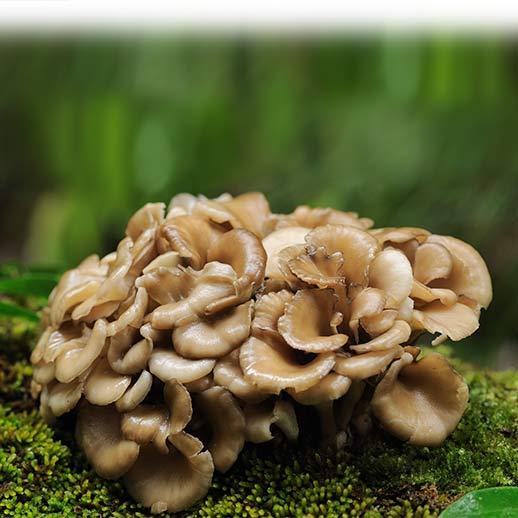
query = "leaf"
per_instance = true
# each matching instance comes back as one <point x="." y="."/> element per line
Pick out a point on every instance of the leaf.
<point x="8" y="309"/>
<point x="35" y="284"/>
<point x="493" y="502"/>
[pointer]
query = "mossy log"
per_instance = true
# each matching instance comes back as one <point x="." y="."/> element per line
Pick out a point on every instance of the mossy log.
<point x="42" y="472"/>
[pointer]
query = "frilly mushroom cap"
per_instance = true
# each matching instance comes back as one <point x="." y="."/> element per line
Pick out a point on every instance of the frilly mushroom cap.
<point x="420" y="402"/>
<point x="126" y="354"/>
<point x="398" y="334"/>
<point x="309" y="322"/>
<point x="268" y="309"/>
<point x="331" y="387"/>
<point x="63" y="397"/>
<point x="391" y="272"/>
<point x="227" y="423"/>
<point x="261" y="418"/>
<point x="214" y="337"/>
<point x="365" y="365"/>
<point x="135" y="393"/>
<point x="132" y="316"/>
<point x="147" y="424"/>
<point x="274" y="366"/>
<point x="469" y="274"/>
<point x="357" y="247"/>
<point x="432" y="261"/>
<point x="314" y="217"/>
<point x="368" y="303"/>
<point x="228" y="374"/>
<point x="98" y="433"/>
<point x="167" y="365"/>
<point x="244" y="252"/>
<point x="171" y="482"/>
<point x="105" y="386"/>
<point x="150" y="215"/>
<point x="275" y="242"/>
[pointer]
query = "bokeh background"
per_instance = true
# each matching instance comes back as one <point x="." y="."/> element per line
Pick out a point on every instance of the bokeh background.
<point x="406" y="130"/>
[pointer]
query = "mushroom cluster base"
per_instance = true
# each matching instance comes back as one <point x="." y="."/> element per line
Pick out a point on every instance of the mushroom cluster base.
<point x="217" y="322"/>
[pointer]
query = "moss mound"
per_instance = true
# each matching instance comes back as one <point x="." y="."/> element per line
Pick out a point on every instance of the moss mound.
<point x="43" y="473"/>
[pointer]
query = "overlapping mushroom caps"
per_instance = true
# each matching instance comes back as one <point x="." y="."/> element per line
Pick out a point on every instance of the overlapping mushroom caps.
<point x="218" y="322"/>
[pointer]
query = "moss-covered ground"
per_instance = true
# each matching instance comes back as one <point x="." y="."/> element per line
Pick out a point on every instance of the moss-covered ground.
<point x="42" y="473"/>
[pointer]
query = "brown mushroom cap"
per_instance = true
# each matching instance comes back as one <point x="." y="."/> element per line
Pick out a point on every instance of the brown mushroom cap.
<point x="420" y="402"/>
<point x="98" y="433"/>
<point x="368" y="303"/>
<point x="469" y="275"/>
<point x="310" y="322"/>
<point x="275" y="366"/>
<point x="105" y="386"/>
<point x="227" y="424"/>
<point x="275" y="242"/>
<point x="167" y="260"/>
<point x="214" y="337"/>
<point x="391" y="272"/>
<point x="260" y="419"/>
<point x="268" y="309"/>
<point x="376" y="325"/>
<point x="150" y="215"/>
<point x="432" y="261"/>
<point x="398" y="334"/>
<point x="228" y="374"/>
<point x="147" y="424"/>
<point x="365" y="365"/>
<point x="132" y="316"/>
<point x="357" y="247"/>
<point x="331" y="387"/>
<point x="167" y="365"/>
<point x="171" y="482"/>
<point x="178" y="401"/>
<point x="135" y="393"/>
<point x="63" y="397"/>
<point x="127" y="356"/>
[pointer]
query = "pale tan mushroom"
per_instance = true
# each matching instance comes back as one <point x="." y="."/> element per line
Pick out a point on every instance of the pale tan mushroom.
<point x="457" y="321"/>
<point x="331" y="387"/>
<point x="171" y="482"/>
<point x="244" y="252"/>
<point x="365" y="365"/>
<point x="209" y="290"/>
<point x="432" y="261"/>
<point x="315" y="217"/>
<point x="178" y="401"/>
<point x="426" y="294"/>
<point x="44" y="372"/>
<point x="278" y="240"/>
<point x="376" y="325"/>
<point x="228" y="374"/>
<point x="105" y="386"/>
<point x="167" y="260"/>
<point x="268" y="309"/>
<point x="132" y="316"/>
<point x="214" y="337"/>
<point x="166" y="285"/>
<point x="260" y="419"/>
<point x="190" y="236"/>
<point x="146" y="424"/>
<point x="201" y="384"/>
<point x="98" y="433"/>
<point x="310" y="322"/>
<point x="391" y="272"/>
<point x="469" y="275"/>
<point x="127" y="356"/>
<point x="369" y="303"/>
<point x="420" y="402"/>
<point x="135" y="393"/>
<point x="167" y="365"/>
<point x="227" y="424"/>
<point x="150" y="215"/>
<point x="73" y="362"/>
<point x="63" y="339"/>
<point x="398" y="334"/>
<point x="274" y="366"/>
<point x="357" y="247"/>
<point x="250" y="211"/>
<point x="63" y="397"/>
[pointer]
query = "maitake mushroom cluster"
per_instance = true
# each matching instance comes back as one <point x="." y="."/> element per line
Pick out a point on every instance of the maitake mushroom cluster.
<point x="219" y="323"/>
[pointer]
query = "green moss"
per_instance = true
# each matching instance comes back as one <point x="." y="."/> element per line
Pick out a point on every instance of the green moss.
<point x="43" y="473"/>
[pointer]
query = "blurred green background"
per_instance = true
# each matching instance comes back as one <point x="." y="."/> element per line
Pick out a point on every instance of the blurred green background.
<point x="408" y="131"/>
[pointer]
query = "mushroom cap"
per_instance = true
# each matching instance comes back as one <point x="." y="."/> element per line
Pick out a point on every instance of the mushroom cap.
<point x="469" y="275"/>
<point x="260" y="419"/>
<point x="309" y="322"/>
<point x="457" y="321"/>
<point x="275" y="242"/>
<point x="132" y="316"/>
<point x="63" y="397"/>
<point x="245" y="253"/>
<point x="391" y="272"/>
<point x="420" y="402"/>
<point x="368" y="303"/>
<point x="376" y="325"/>
<point x="135" y="393"/>
<point x="167" y="365"/>
<point x="268" y="309"/>
<point x="227" y="423"/>
<point x="275" y="366"/>
<point x="178" y="401"/>
<point x="98" y="433"/>
<point x="214" y="337"/>
<point x="329" y="388"/>
<point x="167" y="260"/>
<point x="228" y="374"/>
<point x="150" y="215"/>
<point x="365" y="365"/>
<point x="398" y="334"/>
<point x="357" y="247"/>
<point x="171" y="482"/>
<point x="126" y="356"/>
<point x="105" y="386"/>
<point x="432" y="261"/>
<point x="147" y="424"/>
